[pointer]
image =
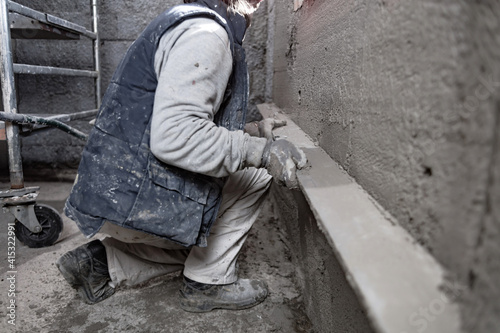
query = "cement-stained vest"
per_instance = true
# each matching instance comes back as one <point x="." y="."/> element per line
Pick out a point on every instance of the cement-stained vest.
<point x="119" y="180"/>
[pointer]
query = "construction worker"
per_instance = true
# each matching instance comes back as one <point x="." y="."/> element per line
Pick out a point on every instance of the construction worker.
<point x="167" y="173"/>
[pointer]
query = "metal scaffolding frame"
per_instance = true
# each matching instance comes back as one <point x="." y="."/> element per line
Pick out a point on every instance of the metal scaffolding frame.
<point x="20" y="22"/>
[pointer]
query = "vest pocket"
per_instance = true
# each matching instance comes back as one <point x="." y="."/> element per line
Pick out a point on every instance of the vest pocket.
<point x="184" y="182"/>
<point x="170" y="203"/>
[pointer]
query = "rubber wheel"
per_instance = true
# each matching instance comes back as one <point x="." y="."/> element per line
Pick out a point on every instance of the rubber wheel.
<point x="51" y="223"/>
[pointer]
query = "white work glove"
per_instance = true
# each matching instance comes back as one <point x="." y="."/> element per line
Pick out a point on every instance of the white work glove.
<point x="267" y="125"/>
<point x="264" y="128"/>
<point x="282" y="158"/>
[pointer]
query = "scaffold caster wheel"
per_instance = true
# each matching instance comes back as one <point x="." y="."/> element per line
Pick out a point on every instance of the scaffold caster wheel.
<point x="51" y="223"/>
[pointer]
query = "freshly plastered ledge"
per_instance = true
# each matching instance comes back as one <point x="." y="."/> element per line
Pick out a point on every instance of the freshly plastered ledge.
<point x="401" y="286"/>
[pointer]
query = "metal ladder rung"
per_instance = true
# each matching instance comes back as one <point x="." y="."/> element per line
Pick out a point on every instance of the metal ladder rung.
<point x="50" y="19"/>
<point x="48" y="70"/>
<point x="23" y="27"/>
<point x="74" y="116"/>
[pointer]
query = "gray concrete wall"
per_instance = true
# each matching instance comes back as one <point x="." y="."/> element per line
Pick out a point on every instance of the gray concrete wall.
<point x="329" y="300"/>
<point x="53" y="152"/>
<point x="405" y="95"/>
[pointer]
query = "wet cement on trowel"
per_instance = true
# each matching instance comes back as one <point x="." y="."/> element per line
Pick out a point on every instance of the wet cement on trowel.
<point x="46" y="303"/>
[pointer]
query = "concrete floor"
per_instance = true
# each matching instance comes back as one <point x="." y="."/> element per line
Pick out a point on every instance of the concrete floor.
<point x="46" y="303"/>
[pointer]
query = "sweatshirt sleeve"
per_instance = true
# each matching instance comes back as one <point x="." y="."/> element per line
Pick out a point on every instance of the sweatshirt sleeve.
<point x="193" y="64"/>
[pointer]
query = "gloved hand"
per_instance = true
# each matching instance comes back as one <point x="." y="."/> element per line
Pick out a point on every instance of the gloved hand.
<point x="282" y="158"/>
<point x="267" y="125"/>
<point x="264" y="128"/>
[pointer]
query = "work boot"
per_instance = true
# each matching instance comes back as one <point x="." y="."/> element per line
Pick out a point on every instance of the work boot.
<point x="242" y="294"/>
<point x="86" y="270"/>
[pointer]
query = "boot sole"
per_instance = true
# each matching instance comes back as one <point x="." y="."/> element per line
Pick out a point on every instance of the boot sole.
<point x="71" y="276"/>
<point x="207" y="305"/>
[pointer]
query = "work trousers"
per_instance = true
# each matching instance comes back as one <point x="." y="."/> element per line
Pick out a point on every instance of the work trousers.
<point x="135" y="257"/>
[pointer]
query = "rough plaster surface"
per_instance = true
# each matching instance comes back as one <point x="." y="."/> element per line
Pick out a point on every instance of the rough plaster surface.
<point x="120" y="23"/>
<point x="330" y="302"/>
<point x="406" y="96"/>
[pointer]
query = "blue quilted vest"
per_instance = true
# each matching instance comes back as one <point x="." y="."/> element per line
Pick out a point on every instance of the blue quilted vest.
<point x="119" y="179"/>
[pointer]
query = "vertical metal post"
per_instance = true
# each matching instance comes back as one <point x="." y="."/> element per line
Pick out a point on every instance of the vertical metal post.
<point x="97" y="61"/>
<point x="9" y="100"/>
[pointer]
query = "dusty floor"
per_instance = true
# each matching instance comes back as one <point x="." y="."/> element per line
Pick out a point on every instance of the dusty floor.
<point x="46" y="303"/>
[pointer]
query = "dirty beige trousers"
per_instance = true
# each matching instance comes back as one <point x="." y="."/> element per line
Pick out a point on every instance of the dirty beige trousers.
<point x="135" y="257"/>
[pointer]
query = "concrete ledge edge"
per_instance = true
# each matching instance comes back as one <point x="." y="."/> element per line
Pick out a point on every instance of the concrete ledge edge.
<point x="401" y="286"/>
